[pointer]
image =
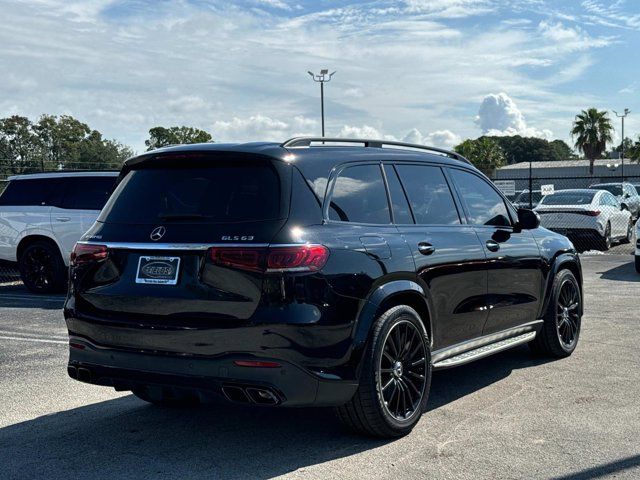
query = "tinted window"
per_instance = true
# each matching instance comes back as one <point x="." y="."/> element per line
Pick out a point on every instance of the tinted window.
<point x="429" y="195"/>
<point x="484" y="205"/>
<point x="577" y="197"/>
<point x="399" y="204"/>
<point x="42" y="191"/>
<point x="224" y="193"/>
<point x="359" y="196"/>
<point x="87" y="193"/>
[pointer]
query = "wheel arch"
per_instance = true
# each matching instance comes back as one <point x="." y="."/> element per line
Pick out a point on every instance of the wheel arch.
<point x="32" y="238"/>
<point x="565" y="261"/>
<point x="386" y="296"/>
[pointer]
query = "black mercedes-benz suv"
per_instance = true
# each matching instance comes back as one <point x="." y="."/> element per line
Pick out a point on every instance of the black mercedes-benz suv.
<point x="325" y="272"/>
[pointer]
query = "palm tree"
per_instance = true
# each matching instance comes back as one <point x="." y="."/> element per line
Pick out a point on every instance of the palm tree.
<point x="592" y="130"/>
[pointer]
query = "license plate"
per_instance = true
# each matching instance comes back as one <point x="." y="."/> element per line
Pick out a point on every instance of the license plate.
<point x="158" y="270"/>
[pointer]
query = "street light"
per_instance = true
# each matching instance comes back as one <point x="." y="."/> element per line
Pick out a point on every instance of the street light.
<point x="323" y="77"/>
<point x="626" y="112"/>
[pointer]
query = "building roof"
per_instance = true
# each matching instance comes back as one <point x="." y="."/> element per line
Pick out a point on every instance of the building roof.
<point x="574" y="162"/>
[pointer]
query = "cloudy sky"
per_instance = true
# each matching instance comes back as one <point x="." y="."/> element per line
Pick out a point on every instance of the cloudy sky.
<point x="432" y="71"/>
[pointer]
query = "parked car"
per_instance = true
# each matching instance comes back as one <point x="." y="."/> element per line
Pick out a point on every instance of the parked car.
<point x="42" y="216"/>
<point x="302" y="274"/>
<point x="626" y="194"/>
<point x="523" y="200"/>
<point x="637" y="252"/>
<point x="590" y="218"/>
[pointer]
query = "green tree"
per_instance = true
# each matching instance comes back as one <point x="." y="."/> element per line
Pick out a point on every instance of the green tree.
<point x="561" y="150"/>
<point x="485" y="153"/>
<point x="54" y="143"/>
<point x="592" y="131"/>
<point x="161" y="136"/>
<point x="532" y="149"/>
<point x="20" y="147"/>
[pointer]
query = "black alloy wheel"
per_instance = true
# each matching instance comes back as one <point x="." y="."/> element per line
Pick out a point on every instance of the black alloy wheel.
<point x="562" y="321"/>
<point x="42" y="269"/>
<point x="402" y="371"/>
<point x="396" y="376"/>
<point x="568" y="314"/>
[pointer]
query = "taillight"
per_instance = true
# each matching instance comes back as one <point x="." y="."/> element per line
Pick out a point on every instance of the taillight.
<point x="298" y="258"/>
<point x="592" y="213"/>
<point x="85" y="253"/>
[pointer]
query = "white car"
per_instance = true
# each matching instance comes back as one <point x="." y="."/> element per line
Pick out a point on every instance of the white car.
<point x="43" y="215"/>
<point x="637" y="256"/>
<point x="590" y="218"/>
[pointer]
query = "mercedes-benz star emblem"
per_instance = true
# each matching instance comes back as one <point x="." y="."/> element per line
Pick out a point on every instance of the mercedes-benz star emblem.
<point x="157" y="233"/>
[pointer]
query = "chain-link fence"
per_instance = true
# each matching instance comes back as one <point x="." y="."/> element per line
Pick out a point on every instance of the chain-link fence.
<point x="594" y="222"/>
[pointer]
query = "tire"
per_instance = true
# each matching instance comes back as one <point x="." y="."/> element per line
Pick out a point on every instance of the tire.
<point x="604" y="242"/>
<point x="550" y="341"/>
<point x="637" y="257"/>
<point x="164" y="397"/>
<point x="376" y="409"/>
<point x="42" y="269"/>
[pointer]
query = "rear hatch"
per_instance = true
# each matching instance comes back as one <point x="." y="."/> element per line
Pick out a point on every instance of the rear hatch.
<point x="564" y="217"/>
<point x="182" y="243"/>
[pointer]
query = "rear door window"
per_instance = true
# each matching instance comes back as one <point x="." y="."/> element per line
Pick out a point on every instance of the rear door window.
<point x="431" y="200"/>
<point x="87" y="193"/>
<point x="223" y="193"/>
<point x="37" y="191"/>
<point x="359" y="195"/>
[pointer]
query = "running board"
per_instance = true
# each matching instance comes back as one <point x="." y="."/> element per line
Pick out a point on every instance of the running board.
<point x="484" y="351"/>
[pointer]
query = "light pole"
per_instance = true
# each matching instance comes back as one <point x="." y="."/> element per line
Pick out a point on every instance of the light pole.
<point x="323" y="77"/>
<point x="626" y="112"/>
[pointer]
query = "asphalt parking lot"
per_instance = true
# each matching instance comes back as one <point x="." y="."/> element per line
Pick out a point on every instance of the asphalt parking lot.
<point x="509" y="416"/>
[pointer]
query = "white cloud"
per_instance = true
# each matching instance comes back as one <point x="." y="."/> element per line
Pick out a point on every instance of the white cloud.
<point x="450" y="8"/>
<point x="240" y="72"/>
<point x="439" y="138"/>
<point x="261" y="127"/>
<point x="499" y="115"/>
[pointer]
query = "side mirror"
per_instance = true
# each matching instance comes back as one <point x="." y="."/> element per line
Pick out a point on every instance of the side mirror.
<point x="528" y="219"/>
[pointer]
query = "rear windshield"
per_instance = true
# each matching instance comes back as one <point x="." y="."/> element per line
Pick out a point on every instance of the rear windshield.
<point x="219" y="194"/>
<point x="615" y="189"/>
<point x="569" y="198"/>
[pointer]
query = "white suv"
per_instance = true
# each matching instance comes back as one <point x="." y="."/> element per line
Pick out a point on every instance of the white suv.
<point x="41" y="218"/>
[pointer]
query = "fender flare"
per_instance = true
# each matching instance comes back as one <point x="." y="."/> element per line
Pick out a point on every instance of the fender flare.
<point x="378" y="297"/>
<point x="563" y="260"/>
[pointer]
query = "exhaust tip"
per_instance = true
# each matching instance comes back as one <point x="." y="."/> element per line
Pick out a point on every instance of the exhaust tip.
<point x="84" y="375"/>
<point x="262" y="396"/>
<point x="235" y="394"/>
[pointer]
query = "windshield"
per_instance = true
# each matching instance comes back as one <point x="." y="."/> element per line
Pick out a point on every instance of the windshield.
<point x="223" y="193"/>
<point x="615" y="189"/>
<point x="581" y="197"/>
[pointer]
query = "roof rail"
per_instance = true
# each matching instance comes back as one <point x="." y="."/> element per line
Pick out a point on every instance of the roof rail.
<point x="307" y="141"/>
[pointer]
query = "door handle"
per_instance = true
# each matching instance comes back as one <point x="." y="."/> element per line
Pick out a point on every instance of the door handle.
<point x="492" y="245"/>
<point x="63" y="219"/>
<point x="426" y="248"/>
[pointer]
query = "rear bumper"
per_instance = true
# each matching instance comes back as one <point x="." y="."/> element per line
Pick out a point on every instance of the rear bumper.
<point x="207" y="378"/>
